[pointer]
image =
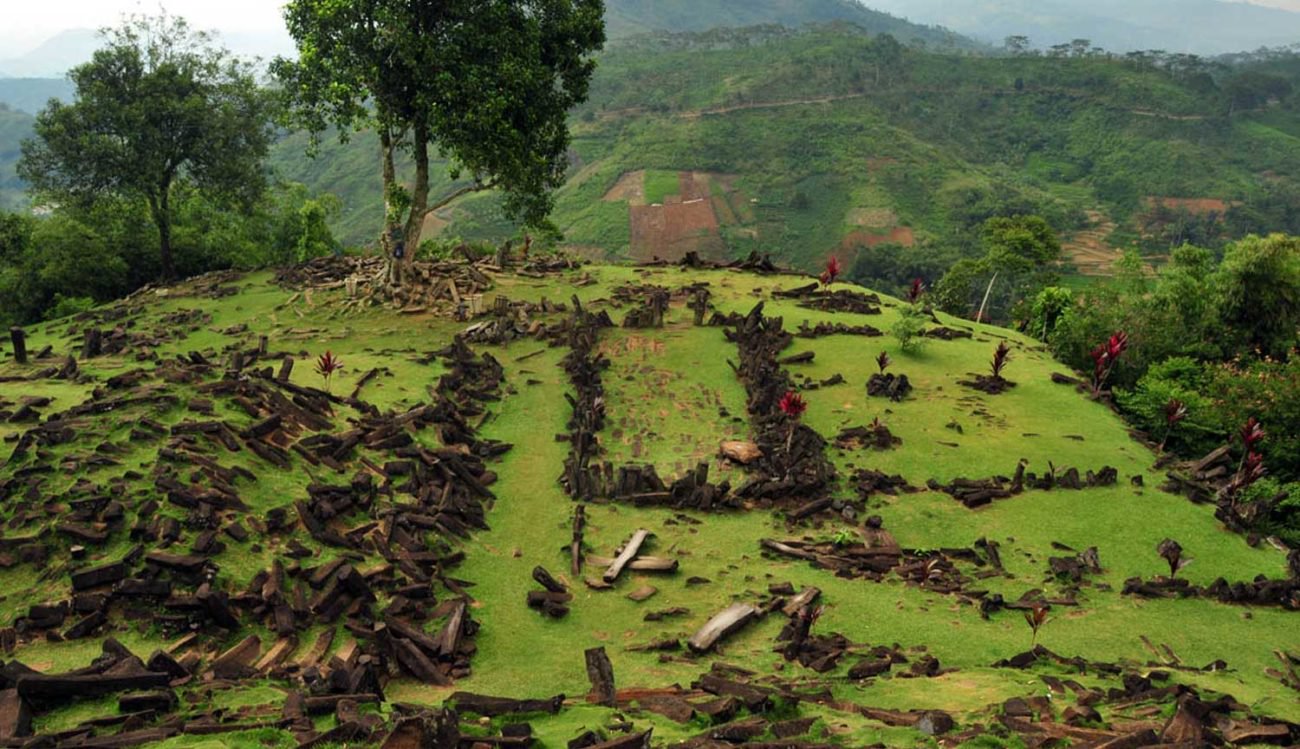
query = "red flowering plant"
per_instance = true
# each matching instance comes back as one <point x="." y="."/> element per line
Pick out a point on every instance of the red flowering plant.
<point x="793" y="406"/>
<point x="1104" y="358"/>
<point x="832" y="271"/>
<point x="917" y="289"/>
<point x="883" y="361"/>
<point x="328" y="365"/>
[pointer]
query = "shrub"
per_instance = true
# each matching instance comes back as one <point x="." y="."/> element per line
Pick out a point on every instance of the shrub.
<point x="908" y="330"/>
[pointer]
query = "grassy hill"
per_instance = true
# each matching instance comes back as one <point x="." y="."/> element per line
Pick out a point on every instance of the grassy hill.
<point x="279" y="504"/>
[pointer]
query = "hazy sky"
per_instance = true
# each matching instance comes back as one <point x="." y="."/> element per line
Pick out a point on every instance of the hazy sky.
<point x="29" y="22"/>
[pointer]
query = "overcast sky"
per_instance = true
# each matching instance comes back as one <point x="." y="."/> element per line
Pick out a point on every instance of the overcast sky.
<point x="29" y="22"/>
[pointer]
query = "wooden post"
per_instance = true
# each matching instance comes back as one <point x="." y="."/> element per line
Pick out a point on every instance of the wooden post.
<point x="286" y="369"/>
<point x="601" y="673"/>
<point x="19" y="338"/>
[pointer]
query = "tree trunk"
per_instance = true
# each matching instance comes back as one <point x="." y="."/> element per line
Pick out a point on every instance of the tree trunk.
<point x="391" y="219"/>
<point x="420" y="194"/>
<point x="979" y="317"/>
<point x="160" y="208"/>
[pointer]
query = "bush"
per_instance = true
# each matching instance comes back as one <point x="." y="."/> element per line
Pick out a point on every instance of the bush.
<point x="1182" y="379"/>
<point x="909" y="328"/>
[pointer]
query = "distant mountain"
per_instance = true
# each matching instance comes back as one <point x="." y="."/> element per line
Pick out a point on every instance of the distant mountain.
<point x="629" y="17"/>
<point x="1199" y="26"/>
<point x="14" y="127"/>
<point x="30" y="94"/>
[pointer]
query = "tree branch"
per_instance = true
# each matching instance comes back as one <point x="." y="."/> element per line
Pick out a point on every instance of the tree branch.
<point x="455" y="195"/>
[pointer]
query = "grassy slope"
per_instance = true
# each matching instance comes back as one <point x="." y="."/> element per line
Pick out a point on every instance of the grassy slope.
<point x="666" y="387"/>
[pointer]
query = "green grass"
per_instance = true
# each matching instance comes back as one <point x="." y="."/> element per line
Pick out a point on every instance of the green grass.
<point x="670" y="397"/>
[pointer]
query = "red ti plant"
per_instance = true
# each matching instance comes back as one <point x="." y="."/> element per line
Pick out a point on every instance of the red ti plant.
<point x="1000" y="359"/>
<point x="915" y="292"/>
<point x="1104" y="358"/>
<point x="832" y="271"/>
<point x="1175" y="413"/>
<point x="883" y="361"/>
<point x="1172" y="552"/>
<point x="1036" y="617"/>
<point x="327" y="365"/>
<point x="792" y="405"/>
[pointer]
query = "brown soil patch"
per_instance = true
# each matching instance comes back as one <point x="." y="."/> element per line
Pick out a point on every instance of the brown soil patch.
<point x="1198" y="206"/>
<point x="874" y="218"/>
<point x="630" y="187"/>
<point x="686" y="222"/>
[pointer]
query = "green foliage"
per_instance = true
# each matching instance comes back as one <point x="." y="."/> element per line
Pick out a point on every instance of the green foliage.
<point x="158" y="107"/>
<point x="1049" y="306"/>
<point x="909" y="327"/>
<point x="1259" y="292"/>
<point x="1185" y="380"/>
<point x="489" y="85"/>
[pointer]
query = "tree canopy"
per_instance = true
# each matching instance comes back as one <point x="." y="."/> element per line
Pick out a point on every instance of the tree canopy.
<point x="158" y="106"/>
<point x="488" y="83"/>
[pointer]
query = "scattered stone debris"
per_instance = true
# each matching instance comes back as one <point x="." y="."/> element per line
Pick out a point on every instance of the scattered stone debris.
<point x="977" y="493"/>
<point x="891" y="386"/>
<point x="876" y="436"/>
<point x="823" y="329"/>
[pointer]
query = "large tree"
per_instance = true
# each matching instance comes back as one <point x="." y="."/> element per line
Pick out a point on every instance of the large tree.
<point x="487" y="83"/>
<point x="159" y="105"/>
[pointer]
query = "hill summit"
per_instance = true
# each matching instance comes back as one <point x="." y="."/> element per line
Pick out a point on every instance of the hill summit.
<point x="527" y="500"/>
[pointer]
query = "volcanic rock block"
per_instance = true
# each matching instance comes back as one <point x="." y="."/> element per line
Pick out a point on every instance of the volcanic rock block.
<point x="601" y="673"/>
<point x="724" y="623"/>
<point x="15" y="715"/>
<point x="97" y="576"/>
<point x="158" y="700"/>
<point x="492" y="707"/>
<point x="237" y="662"/>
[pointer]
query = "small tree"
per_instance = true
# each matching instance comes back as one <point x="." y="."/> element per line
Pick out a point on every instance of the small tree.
<point x="157" y="107"/>
<point x="487" y="83"/>
<point x="1036" y="617"/>
<point x="1001" y="357"/>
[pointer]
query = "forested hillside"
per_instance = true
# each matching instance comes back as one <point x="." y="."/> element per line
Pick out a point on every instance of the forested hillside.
<point x="632" y="17"/>
<point x="825" y="140"/>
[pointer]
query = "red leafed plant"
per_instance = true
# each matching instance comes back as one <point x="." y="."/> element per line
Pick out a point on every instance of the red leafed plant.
<point x="1175" y="414"/>
<point x="1036" y="617"/>
<point x="793" y="405"/>
<point x="883" y="361"/>
<point x="1104" y="358"/>
<point x="915" y="292"/>
<point x="1252" y="433"/>
<point x="832" y="271"/>
<point x="1000" y="359"/>
<point x="328" y="365"/>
